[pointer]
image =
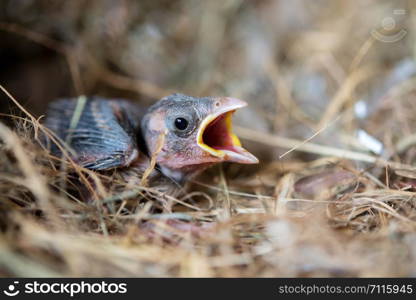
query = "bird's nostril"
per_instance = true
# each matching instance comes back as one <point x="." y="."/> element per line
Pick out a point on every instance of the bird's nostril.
<point x="217" y="104"/>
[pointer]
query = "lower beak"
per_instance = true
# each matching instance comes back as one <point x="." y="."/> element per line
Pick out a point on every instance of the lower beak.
<point x="216" y="135"/>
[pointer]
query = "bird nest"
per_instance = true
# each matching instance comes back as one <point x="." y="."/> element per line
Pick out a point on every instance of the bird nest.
<point x="325" y="217"/>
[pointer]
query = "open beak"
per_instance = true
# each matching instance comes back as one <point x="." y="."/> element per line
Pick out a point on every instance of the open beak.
<point x="216" y="135"/>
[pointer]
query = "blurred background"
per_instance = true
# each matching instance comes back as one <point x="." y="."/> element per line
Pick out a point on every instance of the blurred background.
<point x="300" y="64"/>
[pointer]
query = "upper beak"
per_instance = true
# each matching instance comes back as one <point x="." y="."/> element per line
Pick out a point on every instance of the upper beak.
<point x="216" y="136"/>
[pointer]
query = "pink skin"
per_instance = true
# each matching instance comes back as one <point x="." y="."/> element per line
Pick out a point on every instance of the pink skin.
<point x="185" y="155"/>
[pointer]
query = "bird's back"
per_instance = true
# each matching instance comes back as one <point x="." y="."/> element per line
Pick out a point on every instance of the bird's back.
<point x="100" y="133"/>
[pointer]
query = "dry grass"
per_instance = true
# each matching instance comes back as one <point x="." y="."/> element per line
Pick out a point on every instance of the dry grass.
<point x="321" y="218"/>
<point x="320" y="204"/>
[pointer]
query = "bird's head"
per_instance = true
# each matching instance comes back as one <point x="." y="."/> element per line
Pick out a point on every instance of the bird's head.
<point x="189" y="134"/>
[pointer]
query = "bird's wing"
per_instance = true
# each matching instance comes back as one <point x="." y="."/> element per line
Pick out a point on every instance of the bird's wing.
<point x="101" y="133"/>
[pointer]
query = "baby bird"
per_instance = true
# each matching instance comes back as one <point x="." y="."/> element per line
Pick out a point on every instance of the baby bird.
<point x="183" y="135"/>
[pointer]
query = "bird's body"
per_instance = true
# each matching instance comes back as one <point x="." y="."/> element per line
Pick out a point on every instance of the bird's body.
<point x="106" y="134"/>
<point x="183" y="134"/>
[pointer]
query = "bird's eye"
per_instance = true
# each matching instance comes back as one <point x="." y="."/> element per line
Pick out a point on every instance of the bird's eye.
<point x="181" y="124"/>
